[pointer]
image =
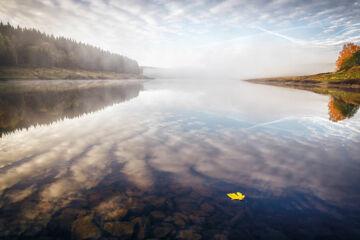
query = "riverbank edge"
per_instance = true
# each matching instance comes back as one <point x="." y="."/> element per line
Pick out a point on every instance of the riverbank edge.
<point x="22" y="73"/>
<point x="340" y="79"/>
<point x="305" y="84"/>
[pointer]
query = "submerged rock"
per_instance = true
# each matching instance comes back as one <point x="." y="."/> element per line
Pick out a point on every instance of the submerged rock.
<point x="116" y="214"/>
<point x="180" y="219"/>
<point x="162" y="231"/>
<point x="62" y="223"/>
<point x="112" y="209"/>
<point x="157" y="215"/>
<point x="134" y="192"/>
<point x="203" y="191"/>
<point x="179" y="222"/>
<point x="155" y="200"/>
<point x="196" y="219"/>
<point x="141" y="225"/>
<point x="187" y="205"/>
<point x="188" y="234"/>
<point x="135" y="205"/>
<point x="84" y="228"/>
<point x="120" y="229"/>
<point x="207" y="207"/>
<point x="221" y="236"/>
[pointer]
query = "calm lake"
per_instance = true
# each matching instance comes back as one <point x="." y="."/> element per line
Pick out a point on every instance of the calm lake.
<point x="156" y="159"/>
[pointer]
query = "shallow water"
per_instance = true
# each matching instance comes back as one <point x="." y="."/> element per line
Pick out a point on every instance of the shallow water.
<point x="156" y="159"/>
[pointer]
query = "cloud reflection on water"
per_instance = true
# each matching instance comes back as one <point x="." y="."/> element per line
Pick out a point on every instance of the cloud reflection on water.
<point x="64" y="159"/>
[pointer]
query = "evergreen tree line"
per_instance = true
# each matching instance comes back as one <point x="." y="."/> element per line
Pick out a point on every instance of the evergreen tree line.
<point x="31" y="48"/>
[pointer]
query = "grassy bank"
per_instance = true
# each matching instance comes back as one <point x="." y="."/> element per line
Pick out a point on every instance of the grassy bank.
<point x="342" y="86"/>
<point x="9" y="73"/>
<point x="349" y="78"/>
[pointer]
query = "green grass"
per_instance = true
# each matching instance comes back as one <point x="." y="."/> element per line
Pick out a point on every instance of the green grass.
<point x="333" y="77"/>
<point x="351" y="74"/>
<point x="9" y="73"/>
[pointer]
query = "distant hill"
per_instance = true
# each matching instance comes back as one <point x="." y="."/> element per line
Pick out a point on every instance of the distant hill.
<point x="21" y="47"/>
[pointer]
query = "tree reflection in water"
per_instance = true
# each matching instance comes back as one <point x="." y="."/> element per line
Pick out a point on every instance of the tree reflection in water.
<point x="23" y="106"/>
<point x="339" y="109"/>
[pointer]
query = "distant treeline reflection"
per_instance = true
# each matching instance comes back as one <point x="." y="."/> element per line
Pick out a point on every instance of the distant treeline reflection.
<point x="22" y="107"/>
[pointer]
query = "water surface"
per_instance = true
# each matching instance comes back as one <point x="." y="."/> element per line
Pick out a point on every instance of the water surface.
<point x="135" y="160"/>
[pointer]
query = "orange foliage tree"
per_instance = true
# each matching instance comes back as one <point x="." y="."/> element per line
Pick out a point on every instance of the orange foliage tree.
<point x="334" y="113"/>
<point x="348" y="50"/>
<point x="339" y="109"/>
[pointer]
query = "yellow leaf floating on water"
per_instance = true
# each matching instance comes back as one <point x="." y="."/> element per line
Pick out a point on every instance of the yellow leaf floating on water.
<point x="236" y="196"/>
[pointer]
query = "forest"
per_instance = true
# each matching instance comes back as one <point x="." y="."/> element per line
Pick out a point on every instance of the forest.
<point x="21" y="47"/>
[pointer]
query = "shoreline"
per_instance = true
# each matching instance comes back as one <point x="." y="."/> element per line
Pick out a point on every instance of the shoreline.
<point x="307" y="84"/>
<point x="339" y="79"/>
<point x="347" y="90"/>
<point x="28" y="73"/>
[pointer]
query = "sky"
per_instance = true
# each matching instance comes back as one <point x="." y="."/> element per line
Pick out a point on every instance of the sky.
<point x="248" y="38"/>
